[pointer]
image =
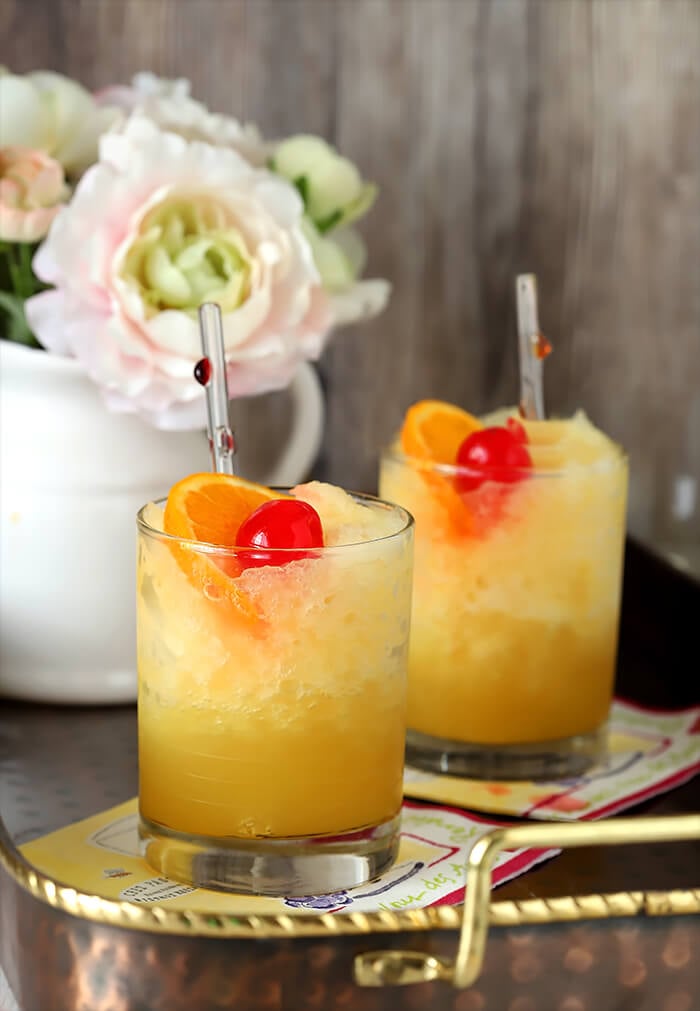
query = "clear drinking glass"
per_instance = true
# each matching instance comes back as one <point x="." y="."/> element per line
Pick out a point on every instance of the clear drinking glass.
<point x="272" y="707"/>
<point x="516" y="603"/>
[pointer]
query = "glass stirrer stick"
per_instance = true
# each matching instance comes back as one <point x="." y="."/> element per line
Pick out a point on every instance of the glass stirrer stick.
<point x="210" y="372"/>
<point x="533" y="348"/>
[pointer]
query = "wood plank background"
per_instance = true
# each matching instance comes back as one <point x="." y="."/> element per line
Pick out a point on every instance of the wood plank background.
<point x="557" y="136"/>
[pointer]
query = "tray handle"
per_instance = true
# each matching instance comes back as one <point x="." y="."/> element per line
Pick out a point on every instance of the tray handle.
<point x="401" y="968"/>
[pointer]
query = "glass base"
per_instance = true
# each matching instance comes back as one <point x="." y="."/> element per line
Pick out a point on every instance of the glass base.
<point x="308" y="865"/>
<point x="548" y="760"/>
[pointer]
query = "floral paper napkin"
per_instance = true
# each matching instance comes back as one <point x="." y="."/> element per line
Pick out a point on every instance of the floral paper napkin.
<point x="649" y="752"/>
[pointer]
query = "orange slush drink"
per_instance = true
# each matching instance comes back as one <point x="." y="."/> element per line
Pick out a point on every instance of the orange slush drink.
<point x="271" y="690"/>
<point x="517" y="574"/>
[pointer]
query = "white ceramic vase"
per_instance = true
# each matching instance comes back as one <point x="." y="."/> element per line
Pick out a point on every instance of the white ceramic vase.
<point x="72" y="477"/>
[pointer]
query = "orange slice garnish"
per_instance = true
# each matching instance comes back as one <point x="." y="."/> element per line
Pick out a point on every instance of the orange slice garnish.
<point x="432" y="432"/>
<point x="210" y="508"/>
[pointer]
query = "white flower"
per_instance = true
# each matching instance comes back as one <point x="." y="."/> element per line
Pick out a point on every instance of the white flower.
<point x="144" y="85"/>
<point x="169" y="105"/>
<point x="340" y="260"/>
<point x="157" y="227"/>
<point x="48" y="112"/>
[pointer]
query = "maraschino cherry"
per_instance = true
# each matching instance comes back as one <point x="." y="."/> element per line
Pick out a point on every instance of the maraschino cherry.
<point x="493" y="454"/>
<point x="279" y="523"/>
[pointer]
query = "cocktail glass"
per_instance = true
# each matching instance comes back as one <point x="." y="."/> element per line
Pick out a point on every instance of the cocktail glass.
<point x="517" y="591"/>
<point x="272" y="706"/>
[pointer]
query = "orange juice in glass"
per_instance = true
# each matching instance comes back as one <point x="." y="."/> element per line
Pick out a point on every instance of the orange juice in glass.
<point x="272" y="690"/>
<point x="517" y="585"/>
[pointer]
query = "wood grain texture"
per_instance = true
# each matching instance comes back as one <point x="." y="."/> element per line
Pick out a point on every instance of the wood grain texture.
<point x="557" y="136"/>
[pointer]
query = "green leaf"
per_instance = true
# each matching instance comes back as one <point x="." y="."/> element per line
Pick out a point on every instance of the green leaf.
<point x="351" y="212"/>
<point x="330" y="222"/>
<point x="15" y="327"/>
<point x="16" y="274"/>
<point x="302" y="184"/>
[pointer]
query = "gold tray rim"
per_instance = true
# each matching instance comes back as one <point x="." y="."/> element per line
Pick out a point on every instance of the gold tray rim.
<point x="503" y="913"/>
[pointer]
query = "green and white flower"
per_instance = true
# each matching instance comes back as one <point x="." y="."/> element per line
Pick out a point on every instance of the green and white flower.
<point x="48" y="112"/>
<point x="331" y="187"/>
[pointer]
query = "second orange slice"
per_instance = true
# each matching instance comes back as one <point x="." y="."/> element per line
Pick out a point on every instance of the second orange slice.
<point x="434" y="430"/>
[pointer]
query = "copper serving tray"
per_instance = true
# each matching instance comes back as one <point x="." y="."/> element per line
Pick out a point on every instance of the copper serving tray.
<point x="90" y="950"/>
<point x="627" y="934"/>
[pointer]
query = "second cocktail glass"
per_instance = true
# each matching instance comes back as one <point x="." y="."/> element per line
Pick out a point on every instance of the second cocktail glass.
<point x="516" y="605"/>
<point x="272" y="703"/>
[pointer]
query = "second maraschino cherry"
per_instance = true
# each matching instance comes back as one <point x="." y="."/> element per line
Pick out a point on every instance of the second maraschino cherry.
<point x="493" y="454"/>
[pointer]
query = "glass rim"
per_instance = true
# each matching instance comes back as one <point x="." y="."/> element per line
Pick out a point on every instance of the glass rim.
<point x="451" y="470"/>
<point x="206" y="547"/>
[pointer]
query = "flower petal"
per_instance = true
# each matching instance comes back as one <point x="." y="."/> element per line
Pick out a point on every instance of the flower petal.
<point x="24" y="118"/>
<point x="360" y="302"/>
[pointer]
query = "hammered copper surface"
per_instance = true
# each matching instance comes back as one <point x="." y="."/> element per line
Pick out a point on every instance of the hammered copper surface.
<point x="61" y="764"/>
<point x="604" y="966"/>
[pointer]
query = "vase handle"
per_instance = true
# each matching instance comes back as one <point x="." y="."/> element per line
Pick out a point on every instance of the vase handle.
<point x="304" y="441"/>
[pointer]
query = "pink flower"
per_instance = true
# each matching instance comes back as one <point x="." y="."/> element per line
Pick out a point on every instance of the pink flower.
<point x="31" y="190"/>
<point x="159" y="225"/>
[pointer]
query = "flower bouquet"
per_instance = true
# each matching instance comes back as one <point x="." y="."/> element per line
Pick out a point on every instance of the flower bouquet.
<point x="121" y="212"/>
